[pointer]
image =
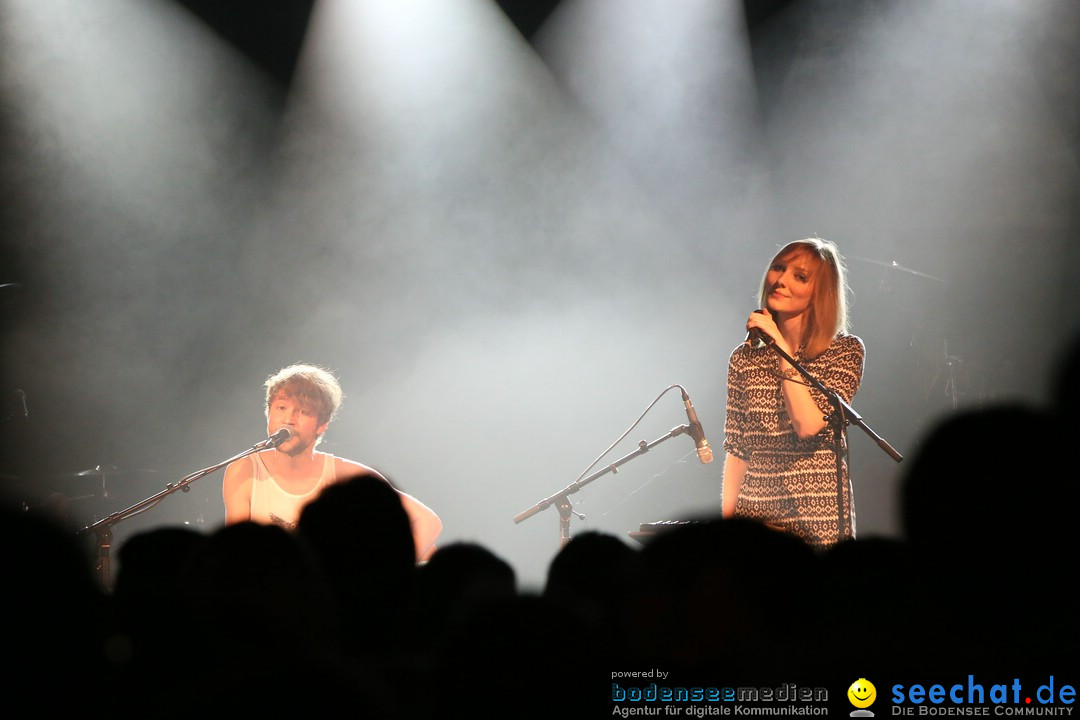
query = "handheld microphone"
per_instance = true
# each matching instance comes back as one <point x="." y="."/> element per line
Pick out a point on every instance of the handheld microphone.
<point x="704" y="452"/>
<point x="755" y="336"/>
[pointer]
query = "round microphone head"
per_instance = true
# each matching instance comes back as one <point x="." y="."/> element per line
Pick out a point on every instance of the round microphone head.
<point x="282" y="434"/>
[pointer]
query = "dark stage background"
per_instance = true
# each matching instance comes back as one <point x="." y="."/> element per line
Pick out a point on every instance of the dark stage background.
<point x="509" y="227"/>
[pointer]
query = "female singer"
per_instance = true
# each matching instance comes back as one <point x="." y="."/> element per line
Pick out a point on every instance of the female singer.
<point x="781" y="452"/>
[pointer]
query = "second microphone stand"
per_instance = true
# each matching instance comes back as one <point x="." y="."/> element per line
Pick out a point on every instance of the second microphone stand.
<point x="561" y="499"/>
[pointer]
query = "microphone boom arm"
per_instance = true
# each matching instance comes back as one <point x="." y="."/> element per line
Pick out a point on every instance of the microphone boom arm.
<point x="102" y="529"/>
<point x="562" y="498"/>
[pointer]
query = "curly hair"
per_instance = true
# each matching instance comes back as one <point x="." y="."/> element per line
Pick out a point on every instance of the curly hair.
<point x="310" y="384"/>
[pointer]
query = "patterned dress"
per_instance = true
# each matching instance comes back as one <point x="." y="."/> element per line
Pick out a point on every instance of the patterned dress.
<point x="790" y="483"/>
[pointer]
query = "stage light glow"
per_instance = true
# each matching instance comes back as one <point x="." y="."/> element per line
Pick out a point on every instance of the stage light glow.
<point x="673" y="88"/>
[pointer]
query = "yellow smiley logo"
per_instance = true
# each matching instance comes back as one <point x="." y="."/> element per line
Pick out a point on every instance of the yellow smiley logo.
<point x="862" y="693"/>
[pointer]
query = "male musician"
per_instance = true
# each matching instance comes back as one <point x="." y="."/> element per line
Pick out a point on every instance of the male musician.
<point x="273" y="486"/>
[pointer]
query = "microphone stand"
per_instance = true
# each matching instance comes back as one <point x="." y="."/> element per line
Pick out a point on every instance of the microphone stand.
<point x="561" y="499"/>
<point x="841" y="416"/>
<point x="102" y="529"/>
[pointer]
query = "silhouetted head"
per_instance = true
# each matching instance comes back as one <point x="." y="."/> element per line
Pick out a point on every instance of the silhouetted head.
<point x="595" y="572"/>
<point x="722" y="591"/>
<point x="362" y="536"/>
<point x="360" y="519"/>
<point x="459" y="580"/>
<point x="987" y="481"/>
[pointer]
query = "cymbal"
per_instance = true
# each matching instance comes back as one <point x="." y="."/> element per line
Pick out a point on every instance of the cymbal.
<point x="893" y="265"/>
<point x="100" y="471"/>
<point x="97" y="470"/>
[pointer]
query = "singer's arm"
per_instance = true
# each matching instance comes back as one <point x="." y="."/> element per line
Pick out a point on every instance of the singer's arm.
<point x="807" y="419"/>
<point x="736" y="454"/>
<point x="842" y="374"/>
<point x="734" y="471"/>
<point x="236" y="490"/>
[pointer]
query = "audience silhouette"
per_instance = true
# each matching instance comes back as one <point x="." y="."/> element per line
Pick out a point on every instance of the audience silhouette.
<point x="56" y="637"/>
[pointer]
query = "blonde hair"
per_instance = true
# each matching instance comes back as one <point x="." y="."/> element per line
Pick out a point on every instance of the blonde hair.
<point x="828" y="301"/>
<point x="310" y="384"/>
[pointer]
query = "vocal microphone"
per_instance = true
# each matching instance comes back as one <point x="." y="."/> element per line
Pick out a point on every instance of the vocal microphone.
<point x="704" y="452"/>
<point x="282" y="435"/>
<point x="755" y="336"/>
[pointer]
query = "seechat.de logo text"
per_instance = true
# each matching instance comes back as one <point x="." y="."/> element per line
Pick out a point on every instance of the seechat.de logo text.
<point x="973" y="697"/>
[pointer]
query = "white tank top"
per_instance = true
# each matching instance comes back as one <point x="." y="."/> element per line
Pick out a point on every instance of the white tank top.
<point x="271" y="505"/>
